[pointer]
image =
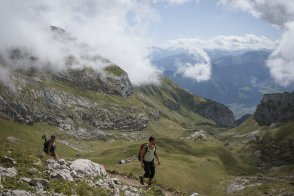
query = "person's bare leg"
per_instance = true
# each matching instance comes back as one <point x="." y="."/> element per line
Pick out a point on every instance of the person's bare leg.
<point x="150" y="182"/>
<point x="54" y="155"/>
<point x="141" y="178"/>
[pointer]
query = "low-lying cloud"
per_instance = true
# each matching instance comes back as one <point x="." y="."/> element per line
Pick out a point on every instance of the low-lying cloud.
<point x="281" y="14"/>
<point x="108" y="28"/>
<point x="201" y="71"/>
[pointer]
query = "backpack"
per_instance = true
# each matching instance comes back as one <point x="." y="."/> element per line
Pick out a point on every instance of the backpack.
<point x="46" y="143"/>
<point x="143" y="147"/>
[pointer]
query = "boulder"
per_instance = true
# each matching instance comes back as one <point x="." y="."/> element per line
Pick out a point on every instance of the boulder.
<point x="63" y="174"/>
<point x="12" y="139"/>
<point x="128" y="193"/>
<point x="198" y="135"/>
<point x="27" y="180"/>
<point x="88" y="168"/>
<point x="51" y="161"/>
<point x="240" y="183"/>
<point x="32" y="171"/>
<point x="17" y="193"/>
<point x="39" y="181"/>
<point x="122" y="161"/>
<point x="61" y="162"/>
<point x="237" y="185"/>
<point x="7" y="172"/>
<point x="115" y="192"/>
<point x="9" y="160"/>
<point x="116" y="181"/>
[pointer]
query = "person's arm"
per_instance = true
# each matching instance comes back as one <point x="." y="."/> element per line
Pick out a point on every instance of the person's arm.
<point x="156" y="156"/>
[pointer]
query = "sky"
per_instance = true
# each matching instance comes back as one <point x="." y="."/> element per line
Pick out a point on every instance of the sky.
<point x="125" y="30"/>
<point x="207" y="19"/>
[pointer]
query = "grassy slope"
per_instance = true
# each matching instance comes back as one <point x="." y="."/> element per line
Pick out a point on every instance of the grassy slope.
<point x="202" y="163"/>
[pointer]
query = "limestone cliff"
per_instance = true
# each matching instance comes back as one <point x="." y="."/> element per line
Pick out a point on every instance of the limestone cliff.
<point x="275" y="108"/>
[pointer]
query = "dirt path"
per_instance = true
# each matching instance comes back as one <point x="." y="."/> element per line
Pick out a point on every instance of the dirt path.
<point x="135" y="183"/>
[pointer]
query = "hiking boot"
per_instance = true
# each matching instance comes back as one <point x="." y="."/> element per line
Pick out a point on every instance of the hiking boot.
<point x="141" y="180"/>
<point x="148" y="186"/>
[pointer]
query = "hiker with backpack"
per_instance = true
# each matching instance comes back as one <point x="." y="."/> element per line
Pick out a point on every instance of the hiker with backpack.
<point x="50" y="146"/>
<point x="147" y="152"/>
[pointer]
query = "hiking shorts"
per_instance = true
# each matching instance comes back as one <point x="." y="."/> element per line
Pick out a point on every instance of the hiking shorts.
<point x="149" y="169"/>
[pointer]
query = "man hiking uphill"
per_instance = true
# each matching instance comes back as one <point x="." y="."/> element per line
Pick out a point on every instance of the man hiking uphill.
<point x="50" y="146"/>
<point x="146" y="156"/>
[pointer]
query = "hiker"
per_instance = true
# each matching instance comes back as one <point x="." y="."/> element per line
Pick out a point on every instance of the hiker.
<point x="50" y="146"/>
<point x="147" y="155"/>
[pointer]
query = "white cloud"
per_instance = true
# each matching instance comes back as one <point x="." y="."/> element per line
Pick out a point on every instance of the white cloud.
<point x="112" y="28"/>
<point x="174" y="2"/>
<point x="279" y="13"/>
<point x="281" y="61"/>
<point x="221" y="42"/>
<point x="276" y="12"/>
<point x="201" y="71"/>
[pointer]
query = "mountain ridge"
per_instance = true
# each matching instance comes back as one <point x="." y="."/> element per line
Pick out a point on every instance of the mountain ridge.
<point x="238" y="81"/>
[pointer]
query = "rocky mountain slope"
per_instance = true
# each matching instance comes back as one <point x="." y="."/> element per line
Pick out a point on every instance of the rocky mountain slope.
<point x="86" y="102"/>
<point x="275" y="108"/>
<point x="47" y="98"/>
<point x="266" y="140"/>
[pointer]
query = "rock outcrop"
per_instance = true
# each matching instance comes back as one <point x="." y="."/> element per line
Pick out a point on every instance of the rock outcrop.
<point x="17" y="193"/>
<point x="219" y="113"/>
<point x="77" y="169"/>
<point x="197" y="135"/>
<point x="31" y="101"/>
<point x="113" y="80"/>
<point x="8" y="172"/>
<point x="275" y="108"/>
<point x="240" y="183"/>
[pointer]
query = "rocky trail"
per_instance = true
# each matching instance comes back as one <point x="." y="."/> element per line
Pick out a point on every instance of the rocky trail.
<point x="78" y="171"/>
<point x="135" y="183"/>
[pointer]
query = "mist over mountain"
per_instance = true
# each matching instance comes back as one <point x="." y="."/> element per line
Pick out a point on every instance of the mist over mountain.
<point x="238" y="78"/>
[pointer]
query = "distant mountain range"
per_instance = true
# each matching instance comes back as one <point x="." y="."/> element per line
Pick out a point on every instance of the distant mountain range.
<point x="238" y="79"/>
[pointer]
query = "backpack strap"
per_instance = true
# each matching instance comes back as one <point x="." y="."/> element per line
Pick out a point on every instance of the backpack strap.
<point x="145" y="148"/>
